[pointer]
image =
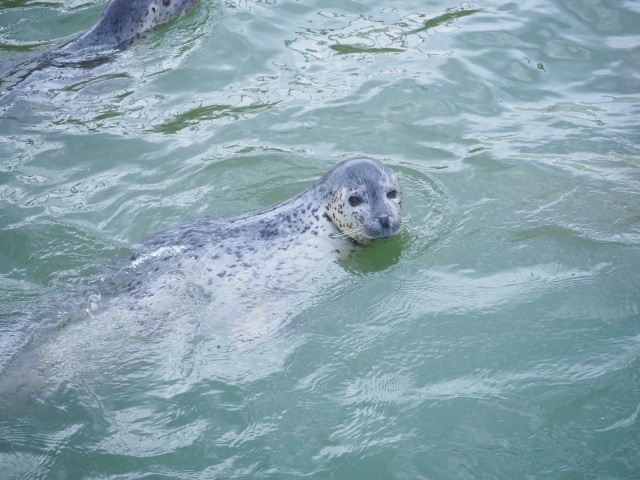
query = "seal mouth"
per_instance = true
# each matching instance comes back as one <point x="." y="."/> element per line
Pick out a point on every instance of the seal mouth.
<point x="388" y="233"/>
<point x="387" y="227"/>
<point x="365" y="236"/>
<point x="385" y="234"/>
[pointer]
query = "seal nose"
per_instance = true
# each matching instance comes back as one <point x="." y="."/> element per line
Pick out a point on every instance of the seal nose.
<point x="384" y="221"/>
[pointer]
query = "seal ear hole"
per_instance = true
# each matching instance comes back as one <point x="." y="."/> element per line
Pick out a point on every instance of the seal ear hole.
<point x="392" y="194"/>
<point x="166" y="3"/>
<point x="354" y="201"/>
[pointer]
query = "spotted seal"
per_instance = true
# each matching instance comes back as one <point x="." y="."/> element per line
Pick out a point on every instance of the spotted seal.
<point x="356" y="202"/>
<point x="121" y="23"/>
<point x="195" y="293"/>
<point x="255" y="265"/>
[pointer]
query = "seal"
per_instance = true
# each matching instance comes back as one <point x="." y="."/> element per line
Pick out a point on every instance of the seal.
<point x="254" y="265"/>
<point x="121" y="23"/>
<point x="196" y="293"/>
<point x="356" y="202"/>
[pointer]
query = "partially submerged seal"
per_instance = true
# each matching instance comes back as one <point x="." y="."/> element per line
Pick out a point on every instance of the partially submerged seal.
<point x="122" y="22"/>
<point x="219" y="284"/>
<point x="356" y="202"/>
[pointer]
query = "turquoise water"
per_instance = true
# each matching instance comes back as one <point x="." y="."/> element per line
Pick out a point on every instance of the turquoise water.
<point x="498" y="338"/>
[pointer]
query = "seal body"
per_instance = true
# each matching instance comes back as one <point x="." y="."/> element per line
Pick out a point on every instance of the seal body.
<point x="123" y="21"/>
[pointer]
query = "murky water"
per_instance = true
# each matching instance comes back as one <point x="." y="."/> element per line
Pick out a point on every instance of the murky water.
<point x="499" y="337"/>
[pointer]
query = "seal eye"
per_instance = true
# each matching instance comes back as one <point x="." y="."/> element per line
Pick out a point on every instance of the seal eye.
<point x="392" y="194"/>
<point x="354" y="201"/>
<point x="166" y="3"/>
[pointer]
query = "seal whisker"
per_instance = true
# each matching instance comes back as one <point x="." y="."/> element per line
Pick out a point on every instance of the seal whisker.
<point x="184" y="11"/>
<point x="353" y="233"/>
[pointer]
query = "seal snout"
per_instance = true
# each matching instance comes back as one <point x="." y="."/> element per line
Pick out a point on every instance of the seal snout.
<point x="384" y="221"/>
<point x="387" y="226"/>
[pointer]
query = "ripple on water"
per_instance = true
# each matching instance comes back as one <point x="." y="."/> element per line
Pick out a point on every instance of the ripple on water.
<point x="430" y="209"/>
<point x="495" y="335"/>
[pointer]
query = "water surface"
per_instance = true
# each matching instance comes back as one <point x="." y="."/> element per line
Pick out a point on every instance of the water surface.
<point x="498" y="338"/>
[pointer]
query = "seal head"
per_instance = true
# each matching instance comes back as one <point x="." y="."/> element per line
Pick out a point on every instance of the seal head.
<point x="364" y="200"/>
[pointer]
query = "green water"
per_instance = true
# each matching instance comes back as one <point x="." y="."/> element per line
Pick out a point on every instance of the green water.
<point x="498" y="338"/>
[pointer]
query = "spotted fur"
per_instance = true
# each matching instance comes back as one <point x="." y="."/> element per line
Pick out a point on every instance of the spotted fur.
<point x="323" y="210"/>
<point x="280" y="244"/>
<point x="122" y="22"/>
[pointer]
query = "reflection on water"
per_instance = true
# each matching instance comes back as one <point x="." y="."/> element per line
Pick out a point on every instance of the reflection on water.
<point x="496" y="337"/>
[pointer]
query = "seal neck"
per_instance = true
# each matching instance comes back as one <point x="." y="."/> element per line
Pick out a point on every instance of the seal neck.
<point x="296" y="217"/>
